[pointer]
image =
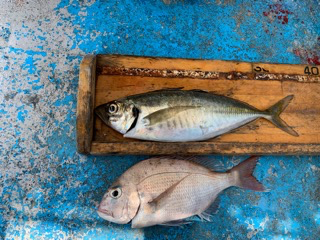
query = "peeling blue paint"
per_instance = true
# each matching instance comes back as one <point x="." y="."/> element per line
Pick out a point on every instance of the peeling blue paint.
<point x="28" y="52"/>
<point x="29" y="64"/>
<point x="65" y="101"/>
<point x="49" y="191"/>
<point x="21" y="115"/>
<point x="5" y="33"/>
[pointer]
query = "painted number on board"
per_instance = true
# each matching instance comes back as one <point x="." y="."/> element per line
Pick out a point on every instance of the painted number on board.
<point x="260" y="69"/>
<point x="311" y="70"/>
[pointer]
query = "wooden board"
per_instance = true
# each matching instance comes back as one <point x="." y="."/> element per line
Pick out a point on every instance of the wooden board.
<point x="107" y="77"/>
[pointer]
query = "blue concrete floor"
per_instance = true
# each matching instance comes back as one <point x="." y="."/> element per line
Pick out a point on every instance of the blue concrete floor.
<point x="48" y="190"/>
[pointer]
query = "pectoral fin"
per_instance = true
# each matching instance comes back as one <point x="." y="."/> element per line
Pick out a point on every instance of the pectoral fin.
<point x="154" y="203"/>
<point x="165" y="114"/>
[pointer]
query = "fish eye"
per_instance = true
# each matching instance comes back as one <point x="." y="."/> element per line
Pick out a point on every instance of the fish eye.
<point x="115" y="193"/>
<point x="113" y="108"/>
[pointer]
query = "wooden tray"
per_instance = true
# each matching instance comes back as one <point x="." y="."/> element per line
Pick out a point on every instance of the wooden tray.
<point x="107" y="77"/>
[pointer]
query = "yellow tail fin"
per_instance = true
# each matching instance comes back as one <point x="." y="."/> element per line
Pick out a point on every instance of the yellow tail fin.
<point x="274" y="112"/>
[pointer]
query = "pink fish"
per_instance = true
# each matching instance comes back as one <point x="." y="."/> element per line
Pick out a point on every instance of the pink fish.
<point x="166" y="191"/>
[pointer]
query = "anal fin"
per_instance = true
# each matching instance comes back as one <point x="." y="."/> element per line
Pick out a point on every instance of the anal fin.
<point x="176" y="223"/>
<point x="205" y="216"/>
<point x="208" y="213"/>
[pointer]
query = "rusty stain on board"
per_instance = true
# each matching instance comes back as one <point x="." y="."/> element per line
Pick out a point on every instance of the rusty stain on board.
<point x="145" y="72"/>
<point x="287" y="77"/>
<point x="171" y="73"/>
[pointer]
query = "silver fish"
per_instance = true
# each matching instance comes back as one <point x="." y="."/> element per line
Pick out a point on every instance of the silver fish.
<point x="167" y="190"/>
<point x="179" y="116"/>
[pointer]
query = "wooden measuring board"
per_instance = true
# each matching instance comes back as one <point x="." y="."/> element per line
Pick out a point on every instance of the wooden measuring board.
<point x="108" y="77"/>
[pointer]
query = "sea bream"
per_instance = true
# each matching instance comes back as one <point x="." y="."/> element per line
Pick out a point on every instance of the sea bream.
<point x="174" y="115"/>
<point x="168" y="191"/>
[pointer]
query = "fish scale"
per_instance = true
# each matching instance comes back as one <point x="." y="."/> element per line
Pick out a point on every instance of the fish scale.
<point x="201" y="185"/>
<point x="182" y="202"/>
<point x="166" y="179"/>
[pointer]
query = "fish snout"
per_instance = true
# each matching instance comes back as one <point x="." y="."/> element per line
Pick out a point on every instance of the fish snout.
<point x="101" y="209"/>
<point x="100" y="111"/>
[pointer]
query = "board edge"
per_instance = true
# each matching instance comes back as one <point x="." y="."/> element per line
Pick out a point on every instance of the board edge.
<point x="85" y="103"/>
<point x="202" y="148"/>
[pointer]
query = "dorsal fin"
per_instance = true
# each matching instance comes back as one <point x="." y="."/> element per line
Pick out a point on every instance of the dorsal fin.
<point x="198" y="90"/>
<point x="204" y="161"/>
<point x="207" y="162"/>
<point x="182" y="89"/>
<point x="167" y="89"/>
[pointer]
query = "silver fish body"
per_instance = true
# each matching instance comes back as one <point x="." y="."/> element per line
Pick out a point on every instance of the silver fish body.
<point x="164" y="190"/>
<point x="181" y="116"/>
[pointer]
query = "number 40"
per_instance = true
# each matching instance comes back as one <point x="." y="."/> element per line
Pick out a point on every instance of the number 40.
<point x="311" y="70"/>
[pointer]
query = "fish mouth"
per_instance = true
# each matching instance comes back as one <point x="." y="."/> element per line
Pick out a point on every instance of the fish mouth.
<point x="104" y="213"/>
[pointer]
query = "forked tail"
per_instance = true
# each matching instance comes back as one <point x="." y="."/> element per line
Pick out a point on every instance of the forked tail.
<point x="274" y="112"/>
<point x="242" y="175"/>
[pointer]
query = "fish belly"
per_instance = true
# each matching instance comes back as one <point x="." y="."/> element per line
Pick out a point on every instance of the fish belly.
<point x="192" y="125"/>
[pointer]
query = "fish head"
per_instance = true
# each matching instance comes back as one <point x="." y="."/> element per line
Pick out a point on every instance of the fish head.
<point x="120" y="203"/>
<point x="119" y="115"/>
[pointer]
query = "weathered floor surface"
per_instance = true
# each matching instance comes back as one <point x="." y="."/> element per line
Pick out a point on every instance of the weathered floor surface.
<point x="48" y="191"/>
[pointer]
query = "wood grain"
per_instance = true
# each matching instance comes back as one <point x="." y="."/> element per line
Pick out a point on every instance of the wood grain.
<point x="85" y="105"/>
<point x="260" y="85"/>
<point x="172" y="63"/>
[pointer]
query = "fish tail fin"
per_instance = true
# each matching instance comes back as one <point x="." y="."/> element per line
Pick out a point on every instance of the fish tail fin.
<point x="242" y="175"/>
<point x="274" y="112"/>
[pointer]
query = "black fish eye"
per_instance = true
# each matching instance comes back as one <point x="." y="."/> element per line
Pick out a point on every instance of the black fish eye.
<point x="113" y="108"/>
<point x="115" y="193"/>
